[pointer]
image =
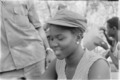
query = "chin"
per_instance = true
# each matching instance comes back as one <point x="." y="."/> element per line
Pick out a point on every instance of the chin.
<point x="60" y="58"/>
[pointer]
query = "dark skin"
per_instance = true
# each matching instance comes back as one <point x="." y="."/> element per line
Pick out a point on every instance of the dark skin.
<point x="63" y="42"/>
<point x="111" y="32"/>
<point x="50" y="55"/>
<point x="107" y="37"/>
<point x="102" y="44"/>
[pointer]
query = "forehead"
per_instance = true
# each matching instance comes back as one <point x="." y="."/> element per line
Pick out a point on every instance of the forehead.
<point x="55" y="30"/>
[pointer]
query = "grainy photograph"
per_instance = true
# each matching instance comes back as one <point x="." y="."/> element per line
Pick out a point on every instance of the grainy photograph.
<point x="59" y="39"/>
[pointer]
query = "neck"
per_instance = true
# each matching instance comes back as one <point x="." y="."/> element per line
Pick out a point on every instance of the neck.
<point x="75" y="57"/>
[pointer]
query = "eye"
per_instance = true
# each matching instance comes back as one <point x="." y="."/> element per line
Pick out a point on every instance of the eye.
<point x="60" y="39"/>
<point x="50" y="38"/>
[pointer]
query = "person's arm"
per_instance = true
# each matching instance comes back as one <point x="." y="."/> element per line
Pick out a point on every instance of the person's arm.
<point x="101" y="43"/>
<point x="49" y="52"/>
<point x="107" y="55"/>
<point x="32" y="14"/>
<point x="99" y="70"/>
<point x="44" y="37"/>
<point x="34" y="20"/>
<point x="104" y="45"/>
<point x="110" y="53"/>
<point x="50" y="73"/>
<point x="107" y="37"/>
<point x="114" y="59"/>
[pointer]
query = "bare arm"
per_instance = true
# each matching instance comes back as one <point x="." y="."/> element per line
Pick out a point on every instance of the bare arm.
<point x="34" y="20"/>
<point x="50" y="72"/>
<point x="32" y="14"/>
<point x="111" y="53"/>
<point x="114" y="59"/>
<point x="104" y="45"/>
<point x="107" y="37"/>
<point x="49" y="53"/>
<point x="44" y="37"/>
<point x="98" y="71"/>
<point x="101" y="43"/>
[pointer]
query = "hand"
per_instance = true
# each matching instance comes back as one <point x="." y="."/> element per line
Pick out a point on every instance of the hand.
<point x="103" y="29"/>
<point x="112" y="49"/>
<point x="109" y="39"/>
<point x="49" y="57"/>
<point x="101" y="43"/>
<point x="97" y="41"/>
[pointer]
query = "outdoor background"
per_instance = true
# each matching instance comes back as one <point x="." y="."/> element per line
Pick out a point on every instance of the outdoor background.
<point x="96" y="13"/>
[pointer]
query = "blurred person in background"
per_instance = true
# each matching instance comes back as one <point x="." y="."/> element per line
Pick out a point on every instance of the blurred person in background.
<point x="23" y="41"/>
<point x="93" y="40"/>
<point x="112" y="36"/>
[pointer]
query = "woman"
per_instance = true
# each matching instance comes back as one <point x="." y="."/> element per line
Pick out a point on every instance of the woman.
<point x="73" y="62"/>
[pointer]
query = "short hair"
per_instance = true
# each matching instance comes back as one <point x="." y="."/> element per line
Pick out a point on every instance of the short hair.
<point x="113" y="22"/>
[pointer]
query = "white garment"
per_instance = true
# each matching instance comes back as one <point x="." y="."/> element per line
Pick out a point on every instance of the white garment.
<point x="82" y="70"/>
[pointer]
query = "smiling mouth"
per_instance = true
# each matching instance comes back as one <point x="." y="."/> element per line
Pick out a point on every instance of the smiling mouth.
<point x="57" y="52"/>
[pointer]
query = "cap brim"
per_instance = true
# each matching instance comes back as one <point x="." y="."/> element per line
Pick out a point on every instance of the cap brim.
<point x="62" y="23"/>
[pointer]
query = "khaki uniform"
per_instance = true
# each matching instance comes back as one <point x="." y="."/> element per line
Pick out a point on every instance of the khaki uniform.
<point x="21" y="45"/>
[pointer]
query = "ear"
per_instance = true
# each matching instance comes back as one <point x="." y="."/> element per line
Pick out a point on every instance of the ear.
<point x="79" y="37"/>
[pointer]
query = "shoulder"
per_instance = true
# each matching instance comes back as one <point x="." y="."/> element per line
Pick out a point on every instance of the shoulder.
<point x="99" y="70"/>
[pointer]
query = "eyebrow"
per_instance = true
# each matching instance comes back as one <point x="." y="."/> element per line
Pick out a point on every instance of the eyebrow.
<point x="58" y="35"/>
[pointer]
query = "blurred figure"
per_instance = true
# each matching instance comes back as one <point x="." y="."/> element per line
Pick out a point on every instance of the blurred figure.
<point x="23" y="41"/>
<point x="112" y="36"/>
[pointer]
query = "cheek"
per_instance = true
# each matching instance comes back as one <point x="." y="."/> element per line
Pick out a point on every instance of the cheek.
<point x="68" y="47"/>
<point x="110" y="32"/>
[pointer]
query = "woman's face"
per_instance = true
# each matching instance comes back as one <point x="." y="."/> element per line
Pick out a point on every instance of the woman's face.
<point x="63" y="42"/>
